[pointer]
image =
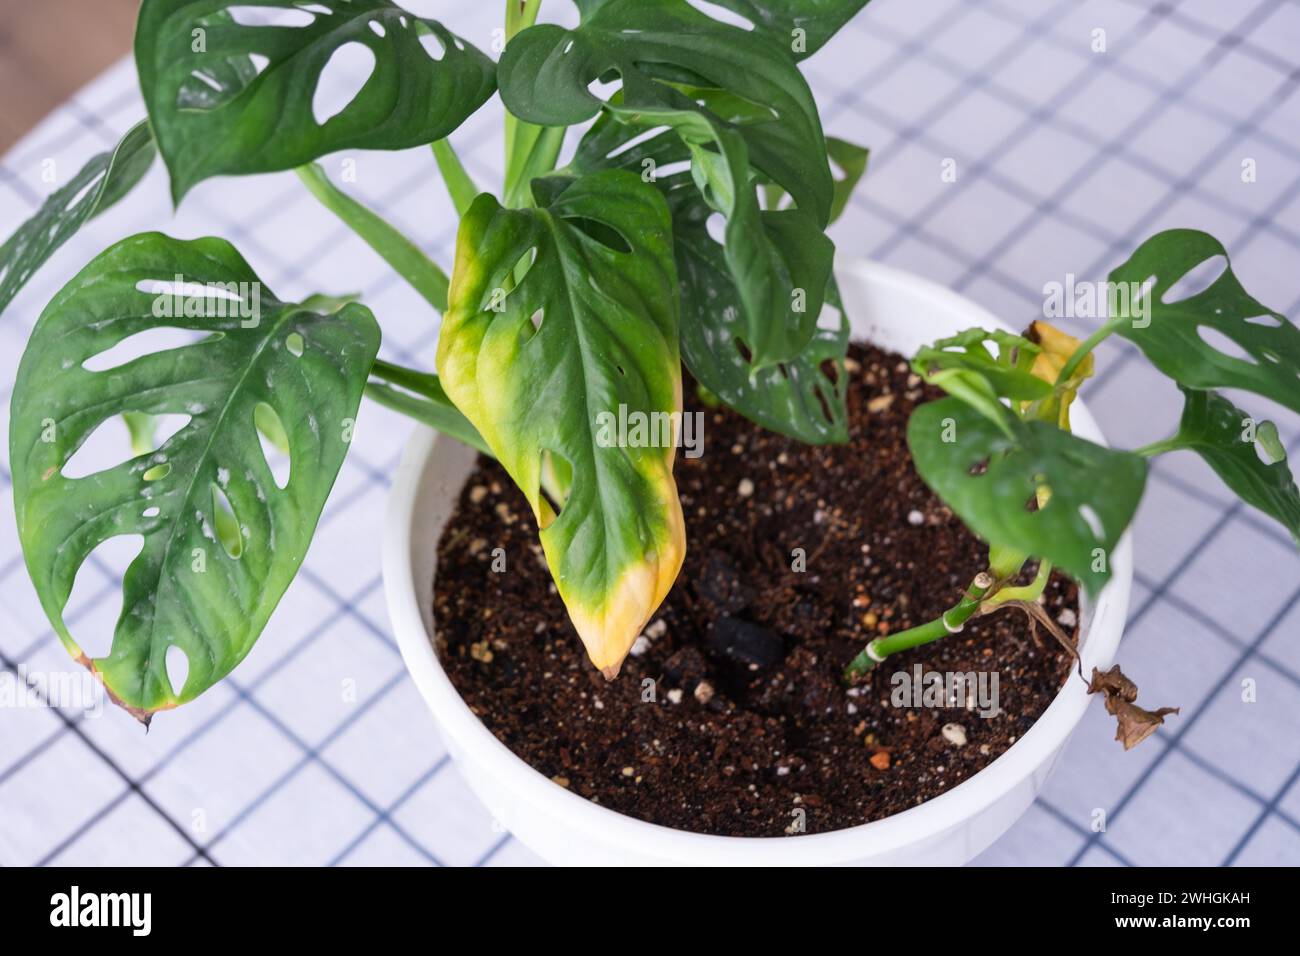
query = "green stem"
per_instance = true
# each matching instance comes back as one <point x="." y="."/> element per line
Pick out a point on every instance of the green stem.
<point x="531" y="151"/>
<point x="1087" y="345"/>
<point x="460" y="186"/>
<point x="950" y="622"/>
<point x="1030" y="592"/>
<point x="401" y="253"/>
<point x="1159" y="447"/>
<point x="420" y="395"/>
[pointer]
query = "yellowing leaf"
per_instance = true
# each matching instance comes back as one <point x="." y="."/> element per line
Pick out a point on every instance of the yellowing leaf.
<point x="1057" y="347"/>
<point x="562" y="317"/>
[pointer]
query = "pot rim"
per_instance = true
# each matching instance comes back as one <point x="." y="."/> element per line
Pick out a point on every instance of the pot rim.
<point x="1105" y="623"/>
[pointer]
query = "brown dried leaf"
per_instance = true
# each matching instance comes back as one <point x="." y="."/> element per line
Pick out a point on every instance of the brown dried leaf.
<point x="1134" y="723"/>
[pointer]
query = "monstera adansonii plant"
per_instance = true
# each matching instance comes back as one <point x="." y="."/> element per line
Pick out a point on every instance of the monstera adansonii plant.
<point x="687" y="224"/>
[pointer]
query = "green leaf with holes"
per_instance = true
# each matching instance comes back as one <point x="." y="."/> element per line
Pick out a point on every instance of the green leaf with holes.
<point x="230" y="97"/>
<point x="99" y="184"/>
<point x="801" y="26"/>
<point x="992" y="478"/>
<point x="560" y="346"/>
<point x="185" y="589"/>
<point x="737" y="110"/>
<point x="803" y="397"/>
<point x="1219" y="337"/>
<point x="1247" y="455"/>
<point x="1005" y="360"/>
<point x="848" y="166"/>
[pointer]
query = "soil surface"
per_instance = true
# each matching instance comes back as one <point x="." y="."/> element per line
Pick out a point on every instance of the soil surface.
<point x="731" y="716"/>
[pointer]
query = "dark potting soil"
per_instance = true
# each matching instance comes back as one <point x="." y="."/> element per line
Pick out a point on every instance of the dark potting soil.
<point x="731" y="716"/>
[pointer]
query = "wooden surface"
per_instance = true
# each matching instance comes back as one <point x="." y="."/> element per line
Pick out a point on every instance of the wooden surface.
<point x="51" y="48"/>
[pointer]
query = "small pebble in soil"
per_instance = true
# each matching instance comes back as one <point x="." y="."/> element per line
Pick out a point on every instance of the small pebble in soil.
<point x="955" y="734"/>
<point x="915" y="518"/>
<point x="745" y="488"/>
<point x="880" y="760"/>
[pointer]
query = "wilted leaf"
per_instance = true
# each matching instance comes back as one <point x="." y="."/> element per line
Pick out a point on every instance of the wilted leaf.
<point x="100" y="183"/>
<point x="561" y="318"/>
<point x="1134" y="724"/>
<point x="227" y="97"/>
<point x="1056" y="349"/>
<point x="994" y="477"/>
<point x="205" y="581"/>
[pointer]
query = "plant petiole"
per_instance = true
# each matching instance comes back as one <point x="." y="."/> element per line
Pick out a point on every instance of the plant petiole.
<point x="950" y="622"/>
<point x="1087" y="345"/>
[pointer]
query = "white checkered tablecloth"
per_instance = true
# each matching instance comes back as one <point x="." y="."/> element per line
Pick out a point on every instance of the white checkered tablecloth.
<point x="1066" y="159"/>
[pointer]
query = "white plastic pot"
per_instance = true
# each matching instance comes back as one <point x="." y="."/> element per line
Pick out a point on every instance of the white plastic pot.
<point x="890" y="308"/>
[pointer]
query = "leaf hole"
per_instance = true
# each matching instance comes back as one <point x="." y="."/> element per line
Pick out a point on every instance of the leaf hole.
<point x="604" y="87"/>
<point x="225" y="524"/>
<point x="159" y="339"/>
<point x="827" y="409"/>
<point x="271" y="16"/>
<point x="524" y="266"/>
<point x="432" y="43"/>
<point x="342" y="80"/>
<point x="722" y="14"/>
<point x="556" y="474"/>
<point x="158" y="472"/>
<point x="746" y="355"/>
<point x="1268" y="444"/>
<point x="668" y="170"/>
<point x="636" y="141"/>
<point x="105" y="447"/>
<point x="602" y="233"/>
<point x="717" y="228"/>
<point x="293" y="344"/>
<point x="830" y="319"/>
<point x="151" y="512"/>
<point x="1266" y="320"/>
<point x="177" y="663"/>
<point x="99" y="573"/>
<point x="166" y="426"/>
<point x="1094" y="522"/>
<point x="377" y="28"/>
<point x="273" y="437"/>
<point x="1222" y="343"/>
<point x="1196" y="280"/>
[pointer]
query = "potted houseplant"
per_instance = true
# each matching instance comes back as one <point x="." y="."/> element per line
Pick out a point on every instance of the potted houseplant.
<point x="687" y="227"/>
